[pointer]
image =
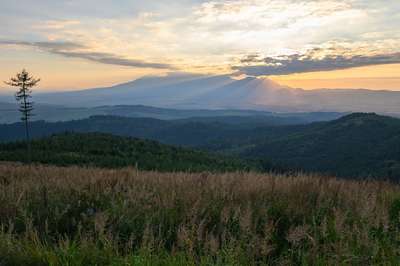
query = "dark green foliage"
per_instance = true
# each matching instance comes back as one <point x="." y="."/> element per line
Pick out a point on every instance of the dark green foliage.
<point x="199" y="132"/>
<point x="24" y="82"/>
<point x="95" y="149"/>
<point x="394" y="214"/>
<point x="357" y="145"/>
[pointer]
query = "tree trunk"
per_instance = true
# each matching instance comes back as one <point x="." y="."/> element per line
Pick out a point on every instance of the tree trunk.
<point x="28" y="142"/>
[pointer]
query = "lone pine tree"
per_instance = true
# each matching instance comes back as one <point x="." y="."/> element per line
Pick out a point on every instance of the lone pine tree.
<point x="24" y="82"/>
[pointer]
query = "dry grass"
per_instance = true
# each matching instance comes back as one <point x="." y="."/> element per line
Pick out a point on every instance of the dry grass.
<point x="76" y="216"/>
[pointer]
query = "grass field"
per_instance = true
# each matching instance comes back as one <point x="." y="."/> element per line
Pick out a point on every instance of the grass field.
<point x="87" y="216"/>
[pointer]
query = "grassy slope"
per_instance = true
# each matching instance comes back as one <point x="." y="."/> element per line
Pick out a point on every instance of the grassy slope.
<point x="112" y="151"/>
<point x="87" y="216"/>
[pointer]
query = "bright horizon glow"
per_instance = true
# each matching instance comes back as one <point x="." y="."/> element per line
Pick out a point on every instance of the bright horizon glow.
<point x="381" y="77"/>
<point x="303" y="44"/>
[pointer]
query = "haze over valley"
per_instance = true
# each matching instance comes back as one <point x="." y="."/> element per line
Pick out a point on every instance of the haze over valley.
<point x="195" y="92"/>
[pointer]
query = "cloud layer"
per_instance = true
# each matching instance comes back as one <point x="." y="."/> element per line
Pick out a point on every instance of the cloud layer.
<point x="75" y="50"/>
<point x="256" y="37"/>
<point x="302" y="63"/>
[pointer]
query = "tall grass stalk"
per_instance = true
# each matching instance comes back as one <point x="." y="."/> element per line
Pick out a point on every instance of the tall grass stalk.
<point x="88" y="216"/>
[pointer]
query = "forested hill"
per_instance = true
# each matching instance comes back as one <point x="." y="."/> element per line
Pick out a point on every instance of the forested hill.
<point x="357" y="145"/>
<point x="95" y="149"/>
<point x="192" y="132"/>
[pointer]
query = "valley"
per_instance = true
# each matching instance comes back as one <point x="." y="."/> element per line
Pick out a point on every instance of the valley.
<point x="359" y="145"/>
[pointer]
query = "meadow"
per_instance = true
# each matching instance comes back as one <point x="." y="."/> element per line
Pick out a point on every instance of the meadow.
<point x="90" y="216"/>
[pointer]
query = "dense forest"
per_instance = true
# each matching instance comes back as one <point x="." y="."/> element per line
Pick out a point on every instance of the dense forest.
<point x="192" y="131"/>
<point x="359" y="145"/>
<point x="103" y="150"/>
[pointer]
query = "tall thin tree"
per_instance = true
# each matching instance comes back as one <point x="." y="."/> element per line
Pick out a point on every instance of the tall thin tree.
<point x="24" y="82"/>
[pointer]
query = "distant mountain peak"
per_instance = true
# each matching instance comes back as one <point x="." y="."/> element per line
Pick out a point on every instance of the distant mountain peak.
<point x="160" y="80"/>
<point x="191" y="91"/>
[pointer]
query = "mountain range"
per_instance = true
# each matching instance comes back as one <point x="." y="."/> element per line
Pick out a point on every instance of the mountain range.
<point x="187" y="91"/>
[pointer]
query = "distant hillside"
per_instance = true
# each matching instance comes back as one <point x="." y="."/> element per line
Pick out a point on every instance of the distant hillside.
<point x="55" y="113"/>
<point x="166" y="91"/>
<point x="193" y="131"/>
<point x="111" y="151"/>
<point x="357" y="145"/>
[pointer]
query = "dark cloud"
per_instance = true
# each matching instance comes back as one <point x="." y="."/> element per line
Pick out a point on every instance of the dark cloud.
<point x="110" y="59"/>
<point x="45" y="45"/>
<point x="251" y="58"/>
<point x="301" y="63"/>
<point x="74" y="50"/>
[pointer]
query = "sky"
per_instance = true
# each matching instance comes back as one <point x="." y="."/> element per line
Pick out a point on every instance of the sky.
<point x="310" y="44"/>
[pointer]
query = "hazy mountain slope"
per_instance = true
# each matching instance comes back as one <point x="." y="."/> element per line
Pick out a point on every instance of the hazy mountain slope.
<point x="6" y="95"/>
<point x="53" y="113"/>
<point x="384" y="102"/>
<point x="105" y="95"/>
<point x="166" y="91"/>
<point x="251" y="93"/>
<point x="187" y="91"/>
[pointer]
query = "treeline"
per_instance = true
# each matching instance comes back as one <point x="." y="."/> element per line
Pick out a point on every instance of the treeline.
<point x="355" y="146"/>
<point x="103" y="150"/>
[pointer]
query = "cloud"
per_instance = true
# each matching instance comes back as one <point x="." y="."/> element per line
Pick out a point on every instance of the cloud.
<point x="311" y="61"/>
<point x="110" y="59"/>
<point x="192" y="33"/>
<point x="75" y="50"/>
<point x="58" y="24"/>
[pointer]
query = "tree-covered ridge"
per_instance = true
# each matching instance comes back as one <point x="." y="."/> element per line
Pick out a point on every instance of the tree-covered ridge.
<point x="96" y="149"/>
<point x="357" y="145"/>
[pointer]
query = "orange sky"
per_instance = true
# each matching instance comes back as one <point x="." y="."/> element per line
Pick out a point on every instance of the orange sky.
<point x="372" y="77"/>
<point x="74" y="44"/>
<point x="62" y="73"/>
